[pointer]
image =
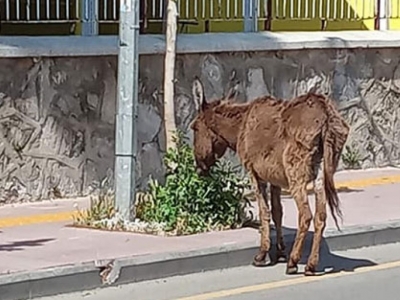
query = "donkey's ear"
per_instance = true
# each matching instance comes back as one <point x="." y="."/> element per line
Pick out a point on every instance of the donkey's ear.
<point x="233" y="91"/>
<point x="198" y="94"/>
<point x="232" y="94"/>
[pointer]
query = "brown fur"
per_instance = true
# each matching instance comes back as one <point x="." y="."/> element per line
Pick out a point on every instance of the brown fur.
<point x="287" y="144"/>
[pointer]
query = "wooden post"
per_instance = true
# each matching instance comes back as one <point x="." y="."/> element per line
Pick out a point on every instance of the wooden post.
<point x="169" y="70"/>
<point x="164" y="16"/>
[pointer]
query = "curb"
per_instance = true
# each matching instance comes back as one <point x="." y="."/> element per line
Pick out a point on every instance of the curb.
<point x="96" y="274"/>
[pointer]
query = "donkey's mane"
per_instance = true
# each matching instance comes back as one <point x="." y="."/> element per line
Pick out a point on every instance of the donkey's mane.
<point x="231" y="109"/>
<point x="304" y="97"/>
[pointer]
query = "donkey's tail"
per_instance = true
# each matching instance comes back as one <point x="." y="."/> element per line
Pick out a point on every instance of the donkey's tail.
<point x="334" y="138"/>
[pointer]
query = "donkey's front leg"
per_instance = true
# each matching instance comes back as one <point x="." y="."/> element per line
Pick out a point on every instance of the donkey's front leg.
<point x="277" y="216"/>
<point x="262" y="258"/>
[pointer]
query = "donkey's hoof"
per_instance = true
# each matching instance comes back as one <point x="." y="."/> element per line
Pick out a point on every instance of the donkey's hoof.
<point x="310" y="271"/>
<point x="313" y="273"/>
<point x="281" y="258"/>
<point x="261" y="260"/>
<point x="291" y="270"/>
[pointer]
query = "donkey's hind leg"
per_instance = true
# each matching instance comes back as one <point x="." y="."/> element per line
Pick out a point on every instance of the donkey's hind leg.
<point x="277" y="215"/>
<point x="262" y="258"/>
<point x="299" y="193"/>
<point x="319" y="221"/>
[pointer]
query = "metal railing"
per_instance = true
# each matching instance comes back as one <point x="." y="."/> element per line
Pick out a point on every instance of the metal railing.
<point x="39" y="11"/>
<point x="326" y="10"/>
<point x="94" y="12"/>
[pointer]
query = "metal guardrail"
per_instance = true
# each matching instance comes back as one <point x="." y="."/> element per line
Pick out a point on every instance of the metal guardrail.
<point x="327" y="10"/>
<point x="93" y="12"/>
<point x="39" y="11"/>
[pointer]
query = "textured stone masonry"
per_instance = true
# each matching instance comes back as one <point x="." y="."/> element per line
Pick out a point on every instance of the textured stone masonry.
<point x="57" y="114"/>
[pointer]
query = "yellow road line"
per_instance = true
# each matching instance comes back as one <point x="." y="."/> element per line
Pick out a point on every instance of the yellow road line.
<point x="35" y="219"/>
<point x="288" y="282"/>
<point x="369" y="182"/>
<point x="362" y="183"/>
<point x="67" y="215"/>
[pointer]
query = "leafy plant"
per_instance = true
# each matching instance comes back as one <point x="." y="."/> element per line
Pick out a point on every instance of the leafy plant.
<point x="188" y="203"/>
<point x="185" y="204"/>
<point x="100" y="208"/>
<point x="351" y="158"/>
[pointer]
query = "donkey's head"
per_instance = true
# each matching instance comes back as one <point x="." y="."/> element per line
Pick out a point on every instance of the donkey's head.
<point x="208" y="145"/>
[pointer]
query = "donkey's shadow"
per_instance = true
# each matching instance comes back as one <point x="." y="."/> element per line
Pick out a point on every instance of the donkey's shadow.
<point x="329" y="262"/>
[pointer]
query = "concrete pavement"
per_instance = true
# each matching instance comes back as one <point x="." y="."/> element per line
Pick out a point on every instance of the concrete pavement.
<point x="40" y="255"/>
<point x="61" y="210"/>
<point x="29" y="240"/>
<point x="368" y="273"/>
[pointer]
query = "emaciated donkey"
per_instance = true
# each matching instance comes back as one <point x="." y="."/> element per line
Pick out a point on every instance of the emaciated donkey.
<point x="285" y="143"/>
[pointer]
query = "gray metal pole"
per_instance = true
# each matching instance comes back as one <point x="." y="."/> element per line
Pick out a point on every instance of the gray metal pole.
<point x="126" y="113"/>
<point x="89" y="12"/>
<point x="250" y="16"/>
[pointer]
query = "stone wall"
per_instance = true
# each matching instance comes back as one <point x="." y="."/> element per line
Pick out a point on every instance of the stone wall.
<point x="57" y="126"/>
<point x="57" y="114"/>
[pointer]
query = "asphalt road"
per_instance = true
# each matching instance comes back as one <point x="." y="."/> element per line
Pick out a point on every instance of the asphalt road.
<point x="382" y="284"/>
<point x="368" y="273"/>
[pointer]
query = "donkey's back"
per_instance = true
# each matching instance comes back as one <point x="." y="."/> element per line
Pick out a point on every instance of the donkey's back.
<point x="274" y="131"/>
<point x="260" y="143"/>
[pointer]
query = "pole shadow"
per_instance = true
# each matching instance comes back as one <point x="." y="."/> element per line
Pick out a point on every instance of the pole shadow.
<point x="21" y="245"/>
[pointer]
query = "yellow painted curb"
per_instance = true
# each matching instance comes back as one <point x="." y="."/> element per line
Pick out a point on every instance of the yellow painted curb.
<point x="369" y="182"/>
<point x="37" y="219"/>
<point x="68" y="215"/>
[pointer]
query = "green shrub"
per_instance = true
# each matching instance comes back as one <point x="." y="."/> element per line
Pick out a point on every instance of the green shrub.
<point x="185" y="204"/>
<point x="188" y="203"/>
<point x="351" y="158"/>
<point x="100" y="208"/>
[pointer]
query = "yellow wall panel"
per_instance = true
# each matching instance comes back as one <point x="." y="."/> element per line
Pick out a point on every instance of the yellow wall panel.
<point x="226" y="16"/>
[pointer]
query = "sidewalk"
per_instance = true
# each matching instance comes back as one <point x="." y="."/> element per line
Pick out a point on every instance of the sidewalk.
<point x="34" y="236"/>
